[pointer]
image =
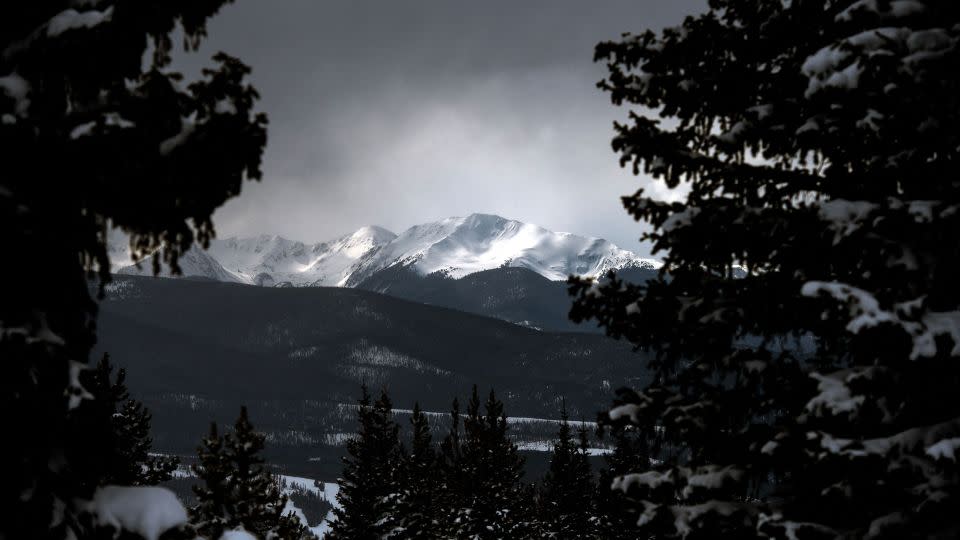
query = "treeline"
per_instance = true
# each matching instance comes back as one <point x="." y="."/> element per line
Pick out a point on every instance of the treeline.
<point x="397" y="482"/>
<point x="403" y="484"/>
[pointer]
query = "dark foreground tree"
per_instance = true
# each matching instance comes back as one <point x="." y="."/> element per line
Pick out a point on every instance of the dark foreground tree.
<point x="90" y="137"/>
<point x="126" y="459"/>
<point x="616" y="515"/>
<point x="809" y="330"/>
<point x="237" y="491"/>
<point x="369" y="482"/>
<point x="566" y="504"/>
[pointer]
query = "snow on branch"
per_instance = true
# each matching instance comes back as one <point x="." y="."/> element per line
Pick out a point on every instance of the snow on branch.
<point x="187" y="127"/>
<point x="710" y="477"/>
<point x="71" y="19"/>
<point x="895" y="9"/>
<point x="937" y="441"/>
<point x="110" y="119"/>
<point x="75" y="391"/>
<point x="792" y="530"/>
<point x="682" y="218"/>
<point x="649" y="480"/>
<point x="844" y="216"/>
<point x="945" y="449"/>
<point x="685" y="517"/>
<point x="237" y="534"/>
<point x="147" y="511"/>
<point x="16" y="88"/>
<point x="865" y="312"/>
<point x="840" y="64"/>
<point x="834" y="395"/>
<point x="627" y="410"/>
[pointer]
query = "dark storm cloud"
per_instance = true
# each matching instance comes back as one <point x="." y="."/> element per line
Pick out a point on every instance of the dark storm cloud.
<point x="400" y="112"/>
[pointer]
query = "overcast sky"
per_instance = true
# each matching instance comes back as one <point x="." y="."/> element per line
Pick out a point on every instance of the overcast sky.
<point x="395" y="113"/>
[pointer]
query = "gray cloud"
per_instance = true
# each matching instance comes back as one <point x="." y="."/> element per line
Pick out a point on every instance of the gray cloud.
<point x="396" y="113"/>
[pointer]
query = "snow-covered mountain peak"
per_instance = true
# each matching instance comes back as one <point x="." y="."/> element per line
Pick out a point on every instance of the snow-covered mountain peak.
<point x="364" y="239"/>
<point x="275" y="259"/>
<point x="455" y="246"/>
<point x="459" y="246"/>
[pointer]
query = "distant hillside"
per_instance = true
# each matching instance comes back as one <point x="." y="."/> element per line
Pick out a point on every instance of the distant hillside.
<point x="196" y="350"/>
<point x="518" y="295"/>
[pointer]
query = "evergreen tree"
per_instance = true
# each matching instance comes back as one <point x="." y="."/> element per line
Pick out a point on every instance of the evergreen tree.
<point x="369" y="485"/>
<point x="238" y="492"/>
<point x="128" y="461"/>
<point x="417" y="509"/>
<point x="616" y="515"/>
<point x="806" y="317"/>
<point x="214" y="499"/>
<point x="566" y="508"/>
<point x="92" y="136"/>
<point x="486" y="488"/>
<point x="453" y="481"/>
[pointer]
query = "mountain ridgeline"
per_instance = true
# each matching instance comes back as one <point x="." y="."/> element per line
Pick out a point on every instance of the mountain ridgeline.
<point x="455" y="247"/>
<point x="480" y="264"/>
<point x="518" y="295"/>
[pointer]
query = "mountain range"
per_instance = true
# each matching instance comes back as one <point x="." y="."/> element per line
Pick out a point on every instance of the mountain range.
<point x="453" y="248"/>
<point x="425" y="313"/>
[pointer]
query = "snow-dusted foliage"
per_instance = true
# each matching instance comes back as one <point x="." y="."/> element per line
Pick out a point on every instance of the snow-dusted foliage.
<point x="86" y="104"/>
<point x="146" y="511"/>
<point x="369" y="483"/>
<point x="818" y="145"/>
<point x="237" y="492"/>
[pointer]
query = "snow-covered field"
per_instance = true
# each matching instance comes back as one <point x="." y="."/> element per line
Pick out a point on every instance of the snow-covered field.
<point x="547" y="446"/>
<point x="327" y="491"/>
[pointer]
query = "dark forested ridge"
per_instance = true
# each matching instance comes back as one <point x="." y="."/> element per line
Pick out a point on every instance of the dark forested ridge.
<point x="517" y="295"/>
<point x="199" y="349"/>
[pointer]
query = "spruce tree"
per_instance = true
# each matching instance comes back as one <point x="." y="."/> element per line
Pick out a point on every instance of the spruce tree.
<point x="566" y="501"/>
<point x="128" y="461"/>
<point x="453" y="481"/>
<point x="417" y="509"/>
<point x="488" y="493"/>
<point x="96" y="132"/>
<point x="805" y="321"/>
<point x="238" y="491"/>
<point x="258" y="503"/>
<point x="616" y="515"/>
<point x="369" y="482"/>
<point x="214" y="499"/>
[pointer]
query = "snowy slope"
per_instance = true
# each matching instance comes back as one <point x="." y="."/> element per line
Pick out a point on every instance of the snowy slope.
<point x="457" y="247"/>
<point x="325" y="263"/>
<point x="461" y="246"/>
<point x="194" y="263"/>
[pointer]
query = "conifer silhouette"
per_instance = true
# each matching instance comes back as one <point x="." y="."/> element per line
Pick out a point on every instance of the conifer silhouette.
<point x="805" y="332"/>
<point x="97" y="132"/>
<point x="369" y="482"/>
<point x="237" y="491"/>
<point x="417" y="511"/>
<point x="567" y="506"/>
